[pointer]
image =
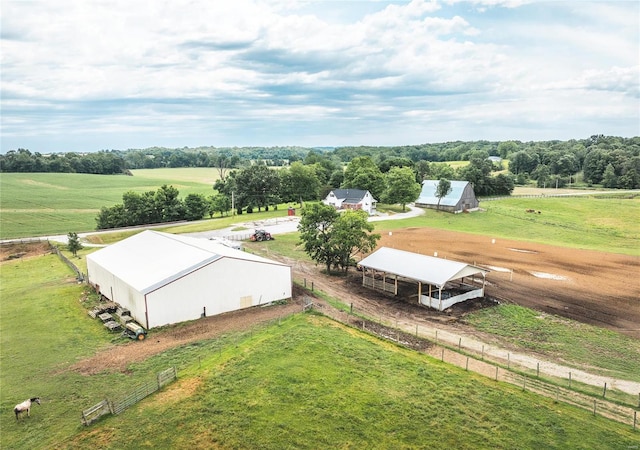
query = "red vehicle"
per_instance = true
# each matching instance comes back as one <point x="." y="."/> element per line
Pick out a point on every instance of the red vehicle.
<point x="261" y="235"/>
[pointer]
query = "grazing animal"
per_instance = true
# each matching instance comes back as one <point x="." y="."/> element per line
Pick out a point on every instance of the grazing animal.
<point x="26" y="406"/>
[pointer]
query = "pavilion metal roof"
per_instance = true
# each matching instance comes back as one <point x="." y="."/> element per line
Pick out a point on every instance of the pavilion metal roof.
<point x="423" y="268"/>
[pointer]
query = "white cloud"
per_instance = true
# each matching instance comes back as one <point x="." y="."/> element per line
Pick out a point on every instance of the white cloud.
<point x="153" y="69"/>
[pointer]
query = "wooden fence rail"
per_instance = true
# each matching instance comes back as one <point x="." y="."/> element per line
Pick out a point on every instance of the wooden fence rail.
<point x="106" y="406"/>
<point x="92" y="414"/>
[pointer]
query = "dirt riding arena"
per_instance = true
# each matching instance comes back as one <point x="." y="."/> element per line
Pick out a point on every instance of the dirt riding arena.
<point x="598" y="288"/>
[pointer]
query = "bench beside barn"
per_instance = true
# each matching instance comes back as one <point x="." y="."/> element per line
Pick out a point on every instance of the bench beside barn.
<point x="163" y="278"/>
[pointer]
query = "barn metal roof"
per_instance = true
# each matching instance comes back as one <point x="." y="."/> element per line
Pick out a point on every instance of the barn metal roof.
<point x="426" y="269"/>
<point x="151" y="259"/>
<point x="428" y="193"/>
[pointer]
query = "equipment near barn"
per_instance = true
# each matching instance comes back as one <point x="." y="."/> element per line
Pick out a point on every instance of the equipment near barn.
<point x="134" y="331"/>
<point x="261" y="235"/>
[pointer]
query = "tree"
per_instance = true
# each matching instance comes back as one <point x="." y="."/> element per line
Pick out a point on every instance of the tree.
<point x="523" y="162"/>
<point x="73" y="243"/>
<point x="257" y="185"/>
<point x="298" y="183"/>
<point x="609" y="178"/>
<point x="219" y="203"/>
<point x="507" y="148"/>
<point x="363" y="173"/>
<point x="441" y="170"/>
<point x="422" y="170"/>
<point x="332" y="239"/>
<point x="401" y="186"/>
<point x="542" y="175"/>
<point x="443" y="189"/>
<point x="196" y="206"/>
<point x="316" y="225"/>
<point x="168" y="204"/>
<point x="351" y="235"/>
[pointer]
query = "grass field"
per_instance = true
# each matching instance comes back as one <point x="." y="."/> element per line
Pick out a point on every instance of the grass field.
<point x="303" y="382"/>
<point x="587" y="222"/>
<point x="36" y="204"/>
<point x="567" y="340"/>
<point x="44" y="204"/>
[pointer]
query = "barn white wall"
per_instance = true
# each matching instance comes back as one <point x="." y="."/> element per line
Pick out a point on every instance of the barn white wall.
<point x="225" y="285"/>
<point x="117" y="290"/>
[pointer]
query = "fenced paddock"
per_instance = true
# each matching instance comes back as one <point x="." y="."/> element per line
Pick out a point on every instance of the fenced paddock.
<point x="142" y="391"/>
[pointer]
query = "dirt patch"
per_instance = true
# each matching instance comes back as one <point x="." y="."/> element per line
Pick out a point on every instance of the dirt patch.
<point x="18" y="250"/>
<point x="118" y="357"/>
<point x="592" y="287"/>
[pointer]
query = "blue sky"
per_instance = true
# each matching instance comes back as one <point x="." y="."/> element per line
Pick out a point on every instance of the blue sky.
<point x="91" y="75"/>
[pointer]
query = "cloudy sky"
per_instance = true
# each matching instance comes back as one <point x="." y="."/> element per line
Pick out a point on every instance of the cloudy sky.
<point x="106" y="74"/>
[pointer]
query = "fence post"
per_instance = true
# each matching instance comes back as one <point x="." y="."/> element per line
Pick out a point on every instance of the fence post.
<point x="635" y="421"/>
<point x="482" y="357"/>
<point x="496" y="373"/>
<point x="569" y="380"/>
<point x="467" y="366"/>
<point x="459" y="343"/>
<point x="416" y="330"/>
<point x="437" y="342"/>
<point x="312" y="286"/>
<point x="508" y="360"/>
<point x="442" y="358"/>
<point x="538" y="371"/>
<point x="604" y="392"/>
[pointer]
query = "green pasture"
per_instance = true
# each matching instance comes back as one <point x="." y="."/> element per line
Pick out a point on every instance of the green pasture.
<point x="579" y="345"/>
<point x="306" y="382"/>
<point x="586" y="222"/>
<point x="37" y="204"/>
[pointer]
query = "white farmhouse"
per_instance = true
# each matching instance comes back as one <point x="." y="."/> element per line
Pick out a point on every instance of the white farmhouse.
<point x="165" y="278"/>
<point x="351" y="199"/>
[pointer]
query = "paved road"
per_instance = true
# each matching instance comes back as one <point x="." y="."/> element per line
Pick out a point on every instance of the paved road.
<point x="287" y="224"/>
<point x="238" y="231"/>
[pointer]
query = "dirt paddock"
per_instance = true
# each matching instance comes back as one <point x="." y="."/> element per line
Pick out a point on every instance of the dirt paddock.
<point x="593" y="287"/>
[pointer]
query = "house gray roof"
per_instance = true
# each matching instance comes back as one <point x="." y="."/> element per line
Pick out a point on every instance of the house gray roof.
<point x="428" y="193"/>
<point x="350" y="196"/>
<point x="426" y="269"/>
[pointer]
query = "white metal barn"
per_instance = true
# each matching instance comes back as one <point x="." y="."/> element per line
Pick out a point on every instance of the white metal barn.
<point x="441" y="282"/>
<point x="165" y="278"/>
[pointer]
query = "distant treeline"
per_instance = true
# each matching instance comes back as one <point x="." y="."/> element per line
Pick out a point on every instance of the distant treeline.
<point x="610" y="161"/>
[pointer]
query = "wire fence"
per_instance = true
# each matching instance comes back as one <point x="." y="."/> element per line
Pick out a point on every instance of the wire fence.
<point x="461" y="356"/>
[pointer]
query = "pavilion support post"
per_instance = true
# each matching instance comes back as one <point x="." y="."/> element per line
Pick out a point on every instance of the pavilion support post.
<point x="396" y="289"/>
<point x="419" y="292"/>
<point x="440" y="297"/>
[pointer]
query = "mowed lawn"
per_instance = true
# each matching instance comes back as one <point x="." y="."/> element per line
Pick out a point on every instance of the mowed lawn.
<point x="37" y="204"/>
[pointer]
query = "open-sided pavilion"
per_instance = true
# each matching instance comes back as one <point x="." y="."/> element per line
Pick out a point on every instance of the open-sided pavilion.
<point x="441" y="282"/>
